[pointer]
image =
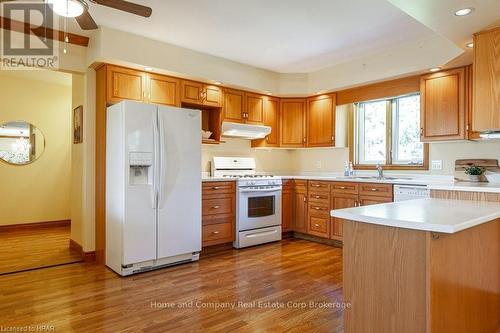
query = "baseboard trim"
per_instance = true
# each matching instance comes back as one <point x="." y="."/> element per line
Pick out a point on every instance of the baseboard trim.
<point x="86" y="256"/>
<point x="24" y="226"/>
<point x="331" y="242"/>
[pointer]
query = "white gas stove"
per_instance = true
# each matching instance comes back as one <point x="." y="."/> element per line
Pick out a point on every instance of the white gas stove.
<point x="258" y="201"/>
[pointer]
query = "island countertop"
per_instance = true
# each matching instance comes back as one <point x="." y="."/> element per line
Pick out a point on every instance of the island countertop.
<point x="429" y="214"/>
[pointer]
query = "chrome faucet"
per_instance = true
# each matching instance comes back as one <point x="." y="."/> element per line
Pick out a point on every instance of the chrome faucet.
<point x="380" y="171"/>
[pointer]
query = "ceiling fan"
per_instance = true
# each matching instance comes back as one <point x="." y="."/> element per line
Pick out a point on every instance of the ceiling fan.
<point x="79" y="9"/>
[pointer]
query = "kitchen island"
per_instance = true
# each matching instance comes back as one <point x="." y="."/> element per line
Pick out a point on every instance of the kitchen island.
<point x="427" y="265"/>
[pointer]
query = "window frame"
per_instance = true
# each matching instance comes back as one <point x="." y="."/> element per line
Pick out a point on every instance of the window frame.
<point x="388" y="165"/>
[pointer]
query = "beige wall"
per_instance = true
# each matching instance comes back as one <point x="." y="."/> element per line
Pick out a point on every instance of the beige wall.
<point x="277" y="160"/>
<point x="40" y="191"/>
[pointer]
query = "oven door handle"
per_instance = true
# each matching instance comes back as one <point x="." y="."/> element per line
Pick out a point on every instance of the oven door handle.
<point x="273" y="189"/>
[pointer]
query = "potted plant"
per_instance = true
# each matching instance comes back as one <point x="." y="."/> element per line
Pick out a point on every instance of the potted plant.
<point x="474" y="173"/>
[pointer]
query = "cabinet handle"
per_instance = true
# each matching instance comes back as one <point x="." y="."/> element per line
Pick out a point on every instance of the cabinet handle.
<point x="318" y="208"/>
<point x="355" y="203"/>
<point x="333" y="138"/>
<point x="316" y="185"/>
<point x="215" y="207"/>
<point x="267" y="138"/>
<point x="317" y="196"/>
<point x="215" y="232"/>
<point x="304" y="199"/>
<point x="342" y="187"/>
<point x="316" y="225"/>
<point x="374" y="189"/>
<point x="215" y="187"/>
<point x="421" y="131"/>
<point x="304" y="140"/>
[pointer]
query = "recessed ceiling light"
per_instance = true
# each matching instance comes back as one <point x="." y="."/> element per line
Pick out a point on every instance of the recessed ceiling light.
<point x="470" y="45"/>
<point x="435" y="69"/>
<point x="217" y="83"/>
<point x="464" y="11"/>
<point x="149" y="69"/>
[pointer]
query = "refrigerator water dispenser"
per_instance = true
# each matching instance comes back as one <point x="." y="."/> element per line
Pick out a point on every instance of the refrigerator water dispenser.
<point x="140" y="168"/>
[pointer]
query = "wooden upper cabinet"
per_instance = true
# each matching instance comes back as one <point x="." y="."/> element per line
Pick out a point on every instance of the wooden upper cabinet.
<point x="271" y="119"/>
<point x="443" y="105"/>
<point x="320" y="119"/>
<point x="254" y="109"/>
<point x="234" y="103"/>
<point x="212" y="96"/>
<point x="191" y="92"/>
<point x="486" y="81"/>
<point x="200" y="94"/>
<point x="163" y="89"/>
<point x="123" y="83"/>
<point x="293" y="122"/>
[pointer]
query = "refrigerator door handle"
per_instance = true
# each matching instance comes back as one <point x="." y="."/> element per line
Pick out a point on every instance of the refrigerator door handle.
<point x="154" y="195"/>
<point x="163" y="167"/>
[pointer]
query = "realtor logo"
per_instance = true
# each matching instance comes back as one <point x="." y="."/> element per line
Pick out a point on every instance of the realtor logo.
<point x="26" y="38"/>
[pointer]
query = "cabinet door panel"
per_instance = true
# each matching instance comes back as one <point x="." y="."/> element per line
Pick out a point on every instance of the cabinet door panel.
<point x="286" y="206"/>
<point x="233" y="105"/>
<point x="443" y="105"/>
<point x="486" y="86"/>
<point x="321" y="121"/>
<point x="212" y="96"/>
<point x="124" y="83"/>
<point x="191" y="92"/>
<point x="292" y="122"/>
<point x="300" y="207"/>
<point x="254" y="109"/>
<point x="163" y="90"/>
<point x="341" y="202"/>
<point x="271" y="119"/>
<point x="365" y="200"/>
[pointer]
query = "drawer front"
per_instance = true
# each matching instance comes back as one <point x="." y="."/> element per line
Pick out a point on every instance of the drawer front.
<point x="319" y="197"/>
<point x="214" y="188"/>
<point x="321" y="210"/>
<point x="217" y="234"/>
<point x="218" y="206"/>
<point x="217" y="219"/>
<point x="318" y="226"/>
<point x="378" y="190"/>
<point x="345" y="188"/>
<point x="319" y="186"/>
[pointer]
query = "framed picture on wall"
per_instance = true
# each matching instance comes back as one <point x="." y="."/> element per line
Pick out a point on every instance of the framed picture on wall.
<point x="78" y="125"/>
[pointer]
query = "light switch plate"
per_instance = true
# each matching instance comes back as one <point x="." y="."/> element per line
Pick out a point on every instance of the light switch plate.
<point x="318" y="165"/>
<point x="437" y="165"/>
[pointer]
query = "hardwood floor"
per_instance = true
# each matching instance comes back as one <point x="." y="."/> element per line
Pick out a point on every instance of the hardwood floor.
<point x="34" y="247"/>
<point x="91" y="298"/>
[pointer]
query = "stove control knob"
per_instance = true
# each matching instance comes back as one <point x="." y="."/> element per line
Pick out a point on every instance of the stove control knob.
<point x="251" y="183"/>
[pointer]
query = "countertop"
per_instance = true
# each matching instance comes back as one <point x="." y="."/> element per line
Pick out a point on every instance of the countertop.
<point x="433" y="182"/>
<point x="429" y="214"/>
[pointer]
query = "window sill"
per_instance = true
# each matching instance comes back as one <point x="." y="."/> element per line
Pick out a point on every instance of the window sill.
<point x="391" y="167"/>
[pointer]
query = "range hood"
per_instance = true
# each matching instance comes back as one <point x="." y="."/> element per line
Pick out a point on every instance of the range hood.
<point x="490" y="135"/>
<point x="245" y="131"/>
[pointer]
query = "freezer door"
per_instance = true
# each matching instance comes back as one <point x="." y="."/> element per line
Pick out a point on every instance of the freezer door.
<point x="179" y="201"/>
<point x="139" y="230"/>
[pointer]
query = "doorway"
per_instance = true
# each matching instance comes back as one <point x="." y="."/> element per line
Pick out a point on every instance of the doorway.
<point x="35" y="170"/>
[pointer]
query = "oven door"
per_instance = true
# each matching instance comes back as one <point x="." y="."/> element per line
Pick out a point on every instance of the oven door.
<point x="259" y="207"/>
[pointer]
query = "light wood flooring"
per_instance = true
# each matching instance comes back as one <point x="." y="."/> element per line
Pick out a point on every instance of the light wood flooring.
<point x="91" y="298"/>
<point x="35" y="247"/>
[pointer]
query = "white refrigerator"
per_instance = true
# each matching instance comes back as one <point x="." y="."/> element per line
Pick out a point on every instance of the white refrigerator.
<point x="153" y="186"/>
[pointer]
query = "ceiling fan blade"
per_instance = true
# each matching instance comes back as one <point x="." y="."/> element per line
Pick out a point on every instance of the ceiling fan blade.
<point x="86" y="22"/>
<point x="126" y="7"/>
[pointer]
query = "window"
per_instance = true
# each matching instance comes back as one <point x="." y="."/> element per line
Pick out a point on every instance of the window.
<point x="387" y="132"/>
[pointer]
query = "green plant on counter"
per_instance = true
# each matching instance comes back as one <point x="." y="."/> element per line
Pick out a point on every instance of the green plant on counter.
<point x="474" y="171"/>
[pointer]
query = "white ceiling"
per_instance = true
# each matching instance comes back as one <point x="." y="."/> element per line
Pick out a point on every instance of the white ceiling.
<point x="287" y="36"/>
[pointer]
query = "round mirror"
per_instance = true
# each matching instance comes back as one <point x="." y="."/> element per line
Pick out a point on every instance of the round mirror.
<point x="20" y="142"/>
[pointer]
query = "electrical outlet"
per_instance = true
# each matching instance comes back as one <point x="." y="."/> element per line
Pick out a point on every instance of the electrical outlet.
<point x="318" y="165"/>
<point x="437" y="165"/>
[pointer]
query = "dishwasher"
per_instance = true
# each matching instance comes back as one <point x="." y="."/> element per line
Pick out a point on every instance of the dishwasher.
<point x="410" y="192"/>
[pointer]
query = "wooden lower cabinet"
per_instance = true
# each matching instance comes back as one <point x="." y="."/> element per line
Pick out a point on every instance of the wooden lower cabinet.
<point x="300" y="206"/>
<point x="287" y="206"/>
<point x="341" y="201"/>
<point x="218" y="213"/>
